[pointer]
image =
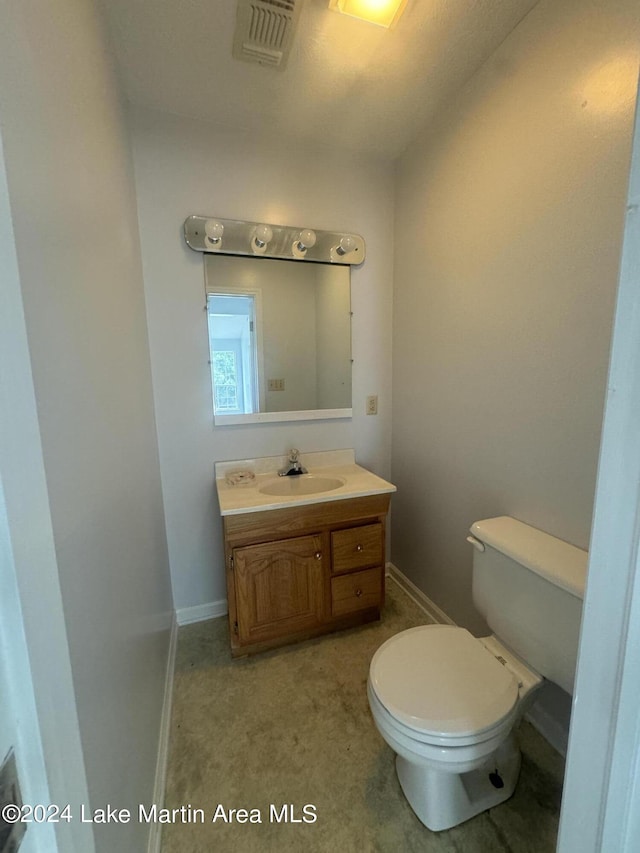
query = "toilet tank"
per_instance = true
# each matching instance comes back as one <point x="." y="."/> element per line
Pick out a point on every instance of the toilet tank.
<point x="529" y="587"/>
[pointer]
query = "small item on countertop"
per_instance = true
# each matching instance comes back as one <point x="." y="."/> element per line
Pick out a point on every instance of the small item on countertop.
<point x="240" y="478"/>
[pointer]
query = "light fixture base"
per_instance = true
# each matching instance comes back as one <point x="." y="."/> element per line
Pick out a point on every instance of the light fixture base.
<point x="383" y="13"/>
<point x="239" y="239"/>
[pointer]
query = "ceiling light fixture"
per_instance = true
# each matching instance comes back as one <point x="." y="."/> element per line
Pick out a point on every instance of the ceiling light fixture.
<point x="385" y="13"/>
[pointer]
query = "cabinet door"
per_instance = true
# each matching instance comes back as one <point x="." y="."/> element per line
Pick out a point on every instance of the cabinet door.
<point x="279" y="588"/>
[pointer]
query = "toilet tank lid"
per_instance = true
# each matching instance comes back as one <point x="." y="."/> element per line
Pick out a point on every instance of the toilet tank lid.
<point x="553" y="559"/>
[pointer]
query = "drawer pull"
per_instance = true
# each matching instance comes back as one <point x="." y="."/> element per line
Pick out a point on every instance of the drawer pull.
<point x="318" y="555"/>
<point x="358" y="593"/>
<point x="358" y="547"/>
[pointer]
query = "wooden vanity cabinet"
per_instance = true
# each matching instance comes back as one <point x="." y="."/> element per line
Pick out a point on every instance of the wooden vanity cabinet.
<point x="298" y="572"/>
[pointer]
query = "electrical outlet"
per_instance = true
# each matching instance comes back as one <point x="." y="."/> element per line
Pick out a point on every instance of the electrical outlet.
<point x="372" y="404"/>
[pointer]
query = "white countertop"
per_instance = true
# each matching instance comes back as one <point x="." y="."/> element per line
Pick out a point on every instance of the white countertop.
<point x="247" y="497"/>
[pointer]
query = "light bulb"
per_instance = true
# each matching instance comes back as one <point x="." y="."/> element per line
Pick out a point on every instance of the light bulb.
<point x="263" y="234"/>
<point x="347" y="244"/>
<point x="306" y="240"/>
<point x="214" y="230"/>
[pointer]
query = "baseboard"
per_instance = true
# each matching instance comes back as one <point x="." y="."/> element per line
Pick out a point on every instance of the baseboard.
<point x="549" y="727"/>
<point x="200" y="612"/>
<point x="417" y="595"/>
<point x="155" y="833"/>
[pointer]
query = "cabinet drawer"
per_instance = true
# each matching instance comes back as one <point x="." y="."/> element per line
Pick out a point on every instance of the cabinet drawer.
<point x="356" y="591"/>
<point x="356" y="548"/>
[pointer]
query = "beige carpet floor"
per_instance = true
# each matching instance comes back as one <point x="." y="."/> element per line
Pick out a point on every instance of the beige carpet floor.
<point x="293" y="727"/>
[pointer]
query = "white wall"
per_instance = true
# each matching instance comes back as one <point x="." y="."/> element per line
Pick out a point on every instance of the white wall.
<point x="508" y="231"/>
<point x="185" y="167"/>
<point x="306" y="335"/>
<point x="333" y="340"/>
<point x="33" y="643"/>
<point x="19" y="728"/>
<point x="289" y="336"/>
<point x="602" y="780"/>
<point x="74" y="217"/>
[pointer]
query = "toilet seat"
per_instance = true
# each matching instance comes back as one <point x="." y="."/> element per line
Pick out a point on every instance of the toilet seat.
<point x="443" y="685"/>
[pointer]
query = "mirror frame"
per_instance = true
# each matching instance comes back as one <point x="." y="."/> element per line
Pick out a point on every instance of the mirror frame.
<point x="238" y="237"/>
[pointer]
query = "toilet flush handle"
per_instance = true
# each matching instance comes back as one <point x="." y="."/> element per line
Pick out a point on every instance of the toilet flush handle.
<point x="477" y="544"/>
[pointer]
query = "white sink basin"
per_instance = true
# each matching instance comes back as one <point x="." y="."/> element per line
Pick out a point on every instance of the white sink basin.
<point x="301" y="484"/>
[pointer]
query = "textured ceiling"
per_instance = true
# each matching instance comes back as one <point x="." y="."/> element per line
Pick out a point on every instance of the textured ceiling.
<point x="348" y="84"/>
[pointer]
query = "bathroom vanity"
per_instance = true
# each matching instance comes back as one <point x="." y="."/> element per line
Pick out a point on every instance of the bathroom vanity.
<point x="304" y="555"/>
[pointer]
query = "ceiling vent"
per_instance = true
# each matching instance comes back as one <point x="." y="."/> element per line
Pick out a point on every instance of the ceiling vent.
<point x="264" y="31"/>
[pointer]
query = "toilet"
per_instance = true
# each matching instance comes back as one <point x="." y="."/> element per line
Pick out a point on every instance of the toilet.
<point x="447" y="703"/>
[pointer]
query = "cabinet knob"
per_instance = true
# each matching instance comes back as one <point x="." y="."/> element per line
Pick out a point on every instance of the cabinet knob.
<point x="358" y="593"/>
<point x="318" y="555"/>
<point x="358" y="547"/>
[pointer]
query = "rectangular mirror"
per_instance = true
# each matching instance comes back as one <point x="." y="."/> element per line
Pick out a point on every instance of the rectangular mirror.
<point x="279" y="339"/>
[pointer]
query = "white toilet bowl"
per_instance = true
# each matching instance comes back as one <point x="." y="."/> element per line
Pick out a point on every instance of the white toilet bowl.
<point x="446" y="703"/>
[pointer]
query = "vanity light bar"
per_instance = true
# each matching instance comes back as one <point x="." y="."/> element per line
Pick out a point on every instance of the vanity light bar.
<point x="236" y="237"/>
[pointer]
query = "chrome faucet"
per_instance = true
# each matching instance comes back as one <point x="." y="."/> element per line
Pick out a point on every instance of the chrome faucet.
<point x="293" y="466"/>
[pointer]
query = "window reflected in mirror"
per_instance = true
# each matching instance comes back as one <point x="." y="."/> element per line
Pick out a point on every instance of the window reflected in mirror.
<point x="233" y="350"/>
